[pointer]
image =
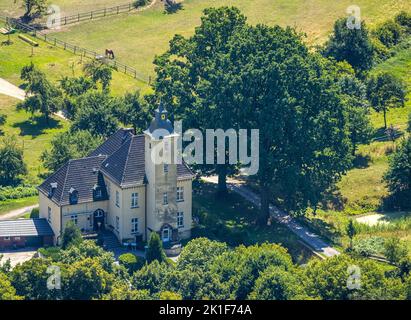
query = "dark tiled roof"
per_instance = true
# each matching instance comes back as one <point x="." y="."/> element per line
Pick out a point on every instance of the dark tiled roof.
<point x="113" y="143"/>
<point x="127" y="165"/>
<point x="121" y="157"/>
<point x="25" y="228"/>
<point x="80" y="174"/>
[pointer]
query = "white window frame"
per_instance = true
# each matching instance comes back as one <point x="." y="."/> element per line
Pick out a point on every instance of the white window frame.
<point x="117" y="199"/>
<point x="74" y="218"/>
<point x="134" y="225"/>
<point x="134" y="200"/>
<point x="180" y="194"/>
<point x="117" y="223"/>
<point x="180" y="219"/>
<point x="165" y="198"/>
<point x="168" y="234"/>
<point x="6" y="238"/>
<point x="17" y="238"/>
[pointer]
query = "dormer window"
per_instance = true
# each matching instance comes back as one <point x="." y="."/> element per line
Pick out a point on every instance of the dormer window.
<point x="97" y="192"/>
<point x="52" y="189"/>
<point x="73" y="196"/>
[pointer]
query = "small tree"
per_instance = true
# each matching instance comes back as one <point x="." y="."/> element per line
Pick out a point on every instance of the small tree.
<point x="351" y="231"/>
<point x="3" y="119"/>
<point x="350" y="44"/>
<point x="71" y="235"/>
<point x="11" y="161"/>
<point x="386" y="91"/>
<point x="131" y="262"/>
<point x="395" y="251"/>
<point x="42" y="96"/>
<point x="33" y="8"/>
<point x="398" y="176"/>
<point x="99" y="73"/>
<point x="155" y="249"/>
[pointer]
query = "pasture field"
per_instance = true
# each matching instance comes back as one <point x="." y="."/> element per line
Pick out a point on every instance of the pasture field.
<point x="137" y="37"/>
<point x="55" y="62"/>
<point x="68" y="7"/>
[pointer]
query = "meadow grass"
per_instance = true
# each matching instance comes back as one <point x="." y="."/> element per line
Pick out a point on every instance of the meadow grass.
<point x="137" y="37"/>
<point x="13" y="204"/>
<point x="55" y="62"/>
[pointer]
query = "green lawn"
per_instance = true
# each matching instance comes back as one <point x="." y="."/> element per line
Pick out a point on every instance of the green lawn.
<point x="55" y="62"/>
<point x="13" y="204"/>
<point x="32" y="134"/>
<point x="136" y="38"/>
<point x="232" y="219"/>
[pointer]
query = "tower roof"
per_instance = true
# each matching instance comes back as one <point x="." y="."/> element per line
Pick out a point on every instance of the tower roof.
<point x="161" y="122"/>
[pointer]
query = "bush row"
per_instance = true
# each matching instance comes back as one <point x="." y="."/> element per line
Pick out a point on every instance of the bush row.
<point x="17" y="192"/>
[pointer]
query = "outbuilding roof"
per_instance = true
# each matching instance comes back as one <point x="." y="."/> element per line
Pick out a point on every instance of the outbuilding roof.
<point x="25" y="228"/>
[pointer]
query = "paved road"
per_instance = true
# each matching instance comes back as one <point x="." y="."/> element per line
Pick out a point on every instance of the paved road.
<point x="11" y="90"/>
<point x="18" y="212"/>
<point x="311" y="239"/>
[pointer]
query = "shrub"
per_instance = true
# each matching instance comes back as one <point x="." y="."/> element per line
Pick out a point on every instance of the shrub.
<point x="389" y="33"/>
<point x="395" y="250"/>
<point x="9" y="192"/>
<point x="404" y="20"/>
<point x="141" y="3"/>
<point x="71" y="235"/>
<point x="35" y="213"/>
<point x="52" y="252"/>
<point x="131" y="262"/>
<point x="368" y="246"/>
<point x="380" y="50"/>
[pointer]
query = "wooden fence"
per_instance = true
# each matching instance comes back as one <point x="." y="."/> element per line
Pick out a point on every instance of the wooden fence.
<point x="76" y="49"/>
<point x="93" y="14"/>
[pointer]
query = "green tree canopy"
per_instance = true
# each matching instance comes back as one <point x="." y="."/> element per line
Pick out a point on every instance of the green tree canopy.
<point x="350" y="44"/>
<point x="155" y="249"/>
<point x="398" y="176"/>
<point x="198" y="65"/>
<point x="69" y="145"/>
<point x="96" y="113"/>
<point x="99" y="72"/>
<point x="41" y="95"/>
<point x="71" y="235"/>
<point x="386" y="91"/>
<point x="11" y="161"/>
<point x="7" y="291"/>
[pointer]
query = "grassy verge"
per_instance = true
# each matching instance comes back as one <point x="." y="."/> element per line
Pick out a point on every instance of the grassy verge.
<point x="232" y="219"/>
<point x="13" y="204"/>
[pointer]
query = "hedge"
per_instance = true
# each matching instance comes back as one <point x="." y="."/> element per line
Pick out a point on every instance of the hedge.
<point x="7" y="193"/>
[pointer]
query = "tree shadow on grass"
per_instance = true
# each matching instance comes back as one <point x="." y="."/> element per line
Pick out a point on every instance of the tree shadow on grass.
<point x="36" y="125"/>
<point x="383" y="135"/>
<point x="361" y="161"/>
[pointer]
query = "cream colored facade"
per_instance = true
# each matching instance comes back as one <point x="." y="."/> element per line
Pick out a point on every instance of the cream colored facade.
<point x="132" y="212"/>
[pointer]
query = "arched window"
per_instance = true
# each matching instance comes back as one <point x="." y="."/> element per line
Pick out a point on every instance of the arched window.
<point x="73" y="196"/>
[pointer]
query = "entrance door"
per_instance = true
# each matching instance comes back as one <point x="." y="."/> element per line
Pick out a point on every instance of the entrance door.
<point x="166" y="235"/>
<point x="98" y="218"/>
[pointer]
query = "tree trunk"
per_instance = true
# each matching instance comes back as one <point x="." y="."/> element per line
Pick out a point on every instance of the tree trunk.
<point x="265" y="207"/>
<point x="385" y="118"/>
<point x="222" y="180"/>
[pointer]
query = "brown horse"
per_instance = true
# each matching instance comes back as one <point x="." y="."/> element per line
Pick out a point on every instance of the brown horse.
<point x="109" y="53"/>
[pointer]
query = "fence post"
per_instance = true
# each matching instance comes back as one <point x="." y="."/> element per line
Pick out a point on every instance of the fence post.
<point x="129" y="7"/>
<point x="65" y="20"/>
<point x="135" y="74"/>
<point x="91" y="15"/>
<point x="75" y="48"/>
<point x="55" y="41"/>
<point x="125" y="69"/>
<point x="105" y="11"/>
<point x="78" y="20"/>
<point x="117" y="9"/>
<point x="65" y="45"/>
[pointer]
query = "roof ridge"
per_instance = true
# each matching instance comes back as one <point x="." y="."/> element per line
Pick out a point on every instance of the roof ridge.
<point x="125" y="165"/>
<point x="65" y="179"/>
